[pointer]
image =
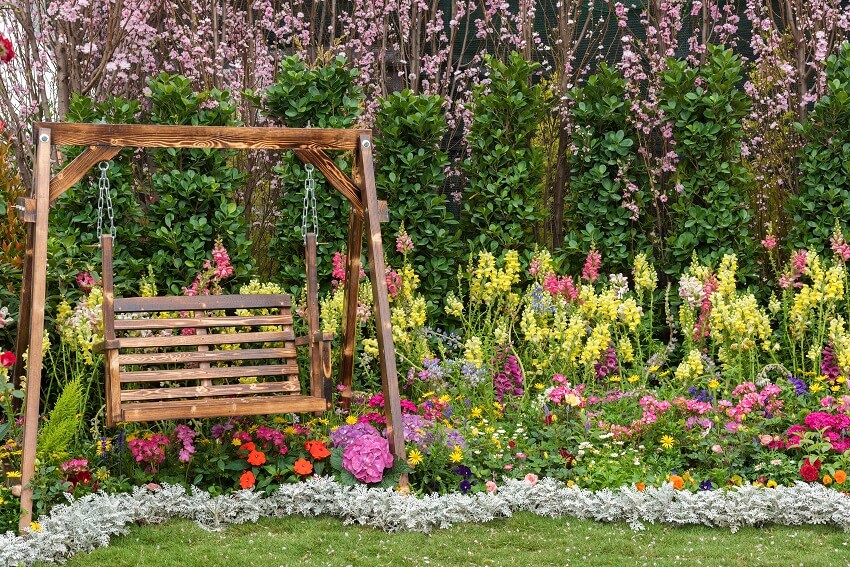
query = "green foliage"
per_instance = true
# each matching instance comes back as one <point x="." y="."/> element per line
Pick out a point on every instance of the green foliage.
<point x="325" y="96"/>
<point x="193" y="192"/>
<point x="409" y="173"/>
<point x="73" y="246"/>
<point x="825" y="161"/>
<point x="709" y="212"/>
<point x="57" y="433"/>
<point x="503" y="203"/>
<point x="606" y="176"/>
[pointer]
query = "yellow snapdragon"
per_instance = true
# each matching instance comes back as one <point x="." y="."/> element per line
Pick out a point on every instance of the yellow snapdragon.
<point x="646" y="278"/>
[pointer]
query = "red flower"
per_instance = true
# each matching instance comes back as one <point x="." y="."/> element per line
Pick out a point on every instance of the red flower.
<point x="6" y="50"/>
<point x="249" y="446"/>
<point x="809" y="472"/>
<point x="317" y="449"/>
<point x="7" y="359"/>
<point x="256" y="458"/>
<point x="247" y="480"/>
<point x="303" y="467"/>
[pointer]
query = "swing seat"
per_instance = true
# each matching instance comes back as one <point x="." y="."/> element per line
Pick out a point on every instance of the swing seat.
<point x="204" y="356"/>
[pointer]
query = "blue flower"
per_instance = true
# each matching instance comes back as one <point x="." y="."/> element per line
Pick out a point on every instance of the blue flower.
<point x="465" y="486"/>
<point x="706" y="485"/>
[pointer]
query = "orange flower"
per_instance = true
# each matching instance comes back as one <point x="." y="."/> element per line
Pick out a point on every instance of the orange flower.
<point x="249" y="446"/>
<point x="827" y="480"/>
<point x="256" y="458"/>
<point x="678" y="482"/>
<point x="317" y="449"/>
<point x="840" y="476"/>
<point x="303" y="467"/>
<point x="247" y="480"/>
<point x="641" y="486"/>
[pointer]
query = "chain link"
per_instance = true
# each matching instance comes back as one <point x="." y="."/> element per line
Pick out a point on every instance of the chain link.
<point x="104" y="200"/>
<point x="310" y="211"/>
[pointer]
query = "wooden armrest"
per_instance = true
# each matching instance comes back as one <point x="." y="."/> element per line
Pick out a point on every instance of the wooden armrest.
<point x="318" y="337"/>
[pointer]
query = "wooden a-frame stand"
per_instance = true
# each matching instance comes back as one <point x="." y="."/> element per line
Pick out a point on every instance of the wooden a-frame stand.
<point x="103" y="142"/>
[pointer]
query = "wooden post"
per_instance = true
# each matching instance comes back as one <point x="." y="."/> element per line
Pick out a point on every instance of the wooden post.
<point x="386" y="348"/>
<point x="113" y="383"/>
<point x="317" y="382"/>
<point x="36" y="326"/>
<point x="25" y="308"/>
<point x="349" y="303"/>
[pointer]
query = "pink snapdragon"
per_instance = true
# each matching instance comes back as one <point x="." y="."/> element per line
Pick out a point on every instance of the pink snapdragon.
<point x="185" y="435"/>
<point x="592" y="265"/>
<point x="562" y="286"/>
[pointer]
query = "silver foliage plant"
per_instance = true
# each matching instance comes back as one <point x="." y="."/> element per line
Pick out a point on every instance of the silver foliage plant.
<point x="90" y="522"/>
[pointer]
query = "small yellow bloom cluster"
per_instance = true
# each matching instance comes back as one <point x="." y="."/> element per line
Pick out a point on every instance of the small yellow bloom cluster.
<point x="726" y="275"/>
<point x="738" y="323"/>
<point x="646" y="278"/>
<point x="625" y="351"/>
<point x="147" y="284"/>
<point x="331" y="311"/>
<point x="409" y="280"/>
<point x="691" y="368"/>
<point x="370" y="346"/>
<point x="840" y="342"/>
<point x="82" y="327"/>
<point x="827" y="286"/>
<point x="630" y="313"/>
<point x="454" y="306"/>
<point x="473" y="352"/>
<point x="487" y="283"/>
<point x="255" y="287"/>
<point x="597" y="342"/>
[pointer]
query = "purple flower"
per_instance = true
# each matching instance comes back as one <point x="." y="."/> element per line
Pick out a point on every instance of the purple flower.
<point x="344" y="435"/>
<point x="706" y="485"/>
<point x="367" y="457"/>
<point x="465" y="486"/>
<point x="185" y="435"/>
<point x="800" y="386"/>
<point x="463" y="471"/>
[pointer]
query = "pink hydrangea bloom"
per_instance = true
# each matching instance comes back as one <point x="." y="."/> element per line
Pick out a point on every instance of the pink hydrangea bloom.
<point x="367" y="458"/>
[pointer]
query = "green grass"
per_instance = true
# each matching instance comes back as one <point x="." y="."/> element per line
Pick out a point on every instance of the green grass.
<point x="523" y="540"/>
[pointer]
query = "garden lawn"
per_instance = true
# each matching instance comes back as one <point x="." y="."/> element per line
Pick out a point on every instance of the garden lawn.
<point x="524" y="539"/>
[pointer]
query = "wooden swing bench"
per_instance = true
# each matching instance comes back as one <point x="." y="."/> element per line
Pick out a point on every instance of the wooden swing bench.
<point x="203" y="356"/>
<point x="212" y="347"/>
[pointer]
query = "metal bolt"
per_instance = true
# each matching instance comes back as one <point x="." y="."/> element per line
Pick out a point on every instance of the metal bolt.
<point x="44" y="138"/>
<point x="367" y="144"/>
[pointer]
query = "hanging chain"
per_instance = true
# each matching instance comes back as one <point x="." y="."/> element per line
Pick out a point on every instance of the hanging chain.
<point x="104" y="199"/>
<point x="309" y="204"/>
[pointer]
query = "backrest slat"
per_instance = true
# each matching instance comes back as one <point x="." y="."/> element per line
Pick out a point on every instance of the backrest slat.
<point x="200" y="303"/>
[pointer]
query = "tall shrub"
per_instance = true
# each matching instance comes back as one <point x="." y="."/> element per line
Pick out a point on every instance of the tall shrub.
<point x="73" y="222"/>
<point x="824" y="195"/>
<point x="325" y="95"/>
<point x="502" y="202"/>
<point x="606" y="202"/>
<point x="192" y="201"/>
<point x="410" y="171"/>
<point x="709" y="212"/>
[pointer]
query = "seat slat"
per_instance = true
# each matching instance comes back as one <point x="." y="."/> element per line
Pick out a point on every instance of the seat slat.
<point x="152" y="394"/>
<point x="206" y="407"/>
<point x="207" y="373"/>
<point x="200" y="303"/>
<point x="206" y="322"/>
<point x="206" y="356"/>
<point x="198" y="340"/>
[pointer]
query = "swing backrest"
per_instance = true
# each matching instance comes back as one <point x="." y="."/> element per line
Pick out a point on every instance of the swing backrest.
<point x="204" y="356"/>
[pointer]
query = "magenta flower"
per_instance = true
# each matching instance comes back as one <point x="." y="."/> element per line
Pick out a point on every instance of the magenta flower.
<point x="367" y="457"/>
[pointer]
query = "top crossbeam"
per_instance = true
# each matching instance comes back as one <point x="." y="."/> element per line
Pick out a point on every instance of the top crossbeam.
<point x="230" y="137"/>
